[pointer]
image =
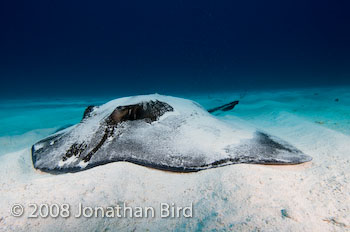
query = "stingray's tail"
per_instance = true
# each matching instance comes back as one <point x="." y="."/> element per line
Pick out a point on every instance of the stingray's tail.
<point x="226" y="107"/>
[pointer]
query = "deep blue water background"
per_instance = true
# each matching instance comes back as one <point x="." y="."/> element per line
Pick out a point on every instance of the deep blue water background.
<point x="94" y="48"/>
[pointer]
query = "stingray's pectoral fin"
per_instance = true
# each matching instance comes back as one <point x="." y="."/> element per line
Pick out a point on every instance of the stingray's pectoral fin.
<point x="266" y="149"/>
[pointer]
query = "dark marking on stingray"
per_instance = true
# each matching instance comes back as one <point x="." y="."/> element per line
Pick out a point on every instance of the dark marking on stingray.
<point x="265" y="139"/>
<point x="148" y="111"/>
<point x="74" y="150"/>
<point x="109" y="130"/>
<point x="88" y="111"/>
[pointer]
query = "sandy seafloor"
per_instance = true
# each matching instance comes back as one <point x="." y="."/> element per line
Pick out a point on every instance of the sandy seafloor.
<point x="314" y="196"/>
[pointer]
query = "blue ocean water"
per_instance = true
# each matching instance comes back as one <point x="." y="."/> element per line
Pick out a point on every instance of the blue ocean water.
<point x="84" y="48"/>
<point x="57" y="57"/>
<point x="24" y="122"/>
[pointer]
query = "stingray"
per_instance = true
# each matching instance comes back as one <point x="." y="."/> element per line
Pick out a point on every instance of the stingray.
<point x="161" y="132"/>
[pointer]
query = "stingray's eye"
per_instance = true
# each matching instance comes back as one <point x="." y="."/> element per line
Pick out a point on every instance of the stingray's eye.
<point x="119" y="114"/>
<point x="148" y="111"/>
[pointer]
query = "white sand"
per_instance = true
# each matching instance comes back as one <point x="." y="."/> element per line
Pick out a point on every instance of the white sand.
<point x="314" y="196"/>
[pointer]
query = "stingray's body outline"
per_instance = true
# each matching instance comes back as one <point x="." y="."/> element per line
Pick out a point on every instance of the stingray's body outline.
<point x="114" y="136"/>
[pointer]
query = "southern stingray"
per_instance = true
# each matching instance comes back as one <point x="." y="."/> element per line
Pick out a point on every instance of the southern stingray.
<point x="162" y="132"/>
